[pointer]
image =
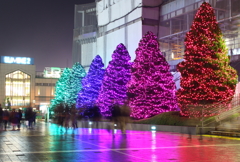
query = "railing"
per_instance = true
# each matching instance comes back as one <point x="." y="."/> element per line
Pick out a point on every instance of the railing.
<point x="218" y="111"/>
<point x="85" y="30"/>
<point x="235" y="108"/>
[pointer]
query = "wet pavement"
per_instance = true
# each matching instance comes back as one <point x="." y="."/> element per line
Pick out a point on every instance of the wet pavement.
<point x="48" y="143"/>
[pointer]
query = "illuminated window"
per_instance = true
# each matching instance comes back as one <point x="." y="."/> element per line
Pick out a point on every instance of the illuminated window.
<point x="17" y="88"/>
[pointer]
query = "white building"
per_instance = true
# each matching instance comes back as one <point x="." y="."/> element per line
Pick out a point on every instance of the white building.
<point x="126" y="21"/>
<point x="118" y="21"/>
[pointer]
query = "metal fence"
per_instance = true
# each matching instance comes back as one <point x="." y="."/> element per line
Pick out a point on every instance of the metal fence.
<point x="219" y="111"/>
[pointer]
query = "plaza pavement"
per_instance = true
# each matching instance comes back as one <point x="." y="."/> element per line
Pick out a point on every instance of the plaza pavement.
<point x="49" y="144"/>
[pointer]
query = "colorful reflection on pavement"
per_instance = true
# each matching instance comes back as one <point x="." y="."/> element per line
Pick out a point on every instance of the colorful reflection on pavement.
<point x="48" y="143"/>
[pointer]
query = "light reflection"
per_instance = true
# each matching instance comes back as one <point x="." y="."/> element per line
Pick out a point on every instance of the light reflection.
<point x="153" y="140"/>
<point x="90" y="130"/>
<point x="137" y="145"/>
<point x="153" y="127"/>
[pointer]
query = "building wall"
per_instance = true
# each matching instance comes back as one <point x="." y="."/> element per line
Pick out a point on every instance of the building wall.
<point x="41" y="89"/>
<point x="150" y="16"/>
<point x="9" y="68"/>
<point x="109" y="10"/>
<point x="117" y="25"/>
<point x="89" y="51"/>
<point x="84" y="33"/>
<point x="44" y="90"/>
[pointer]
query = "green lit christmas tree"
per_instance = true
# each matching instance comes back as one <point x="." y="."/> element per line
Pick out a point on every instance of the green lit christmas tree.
<point x="74" y="83"/>
<point x="206" y="77"/>
<point x="60" y="89"/>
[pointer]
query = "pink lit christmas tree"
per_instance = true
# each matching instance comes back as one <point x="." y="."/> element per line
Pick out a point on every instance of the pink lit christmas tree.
<point x="151" y="90"/>
<point x="206" y="77"/>
<point x="115" y="79"/>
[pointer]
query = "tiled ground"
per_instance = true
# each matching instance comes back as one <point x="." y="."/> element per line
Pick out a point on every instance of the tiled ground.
<point x="47" y="143"/>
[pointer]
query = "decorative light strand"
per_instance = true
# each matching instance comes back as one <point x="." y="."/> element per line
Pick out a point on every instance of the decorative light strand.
<point x="151" y="89"/>
<point x="74" y="84"/>
<point x="91" y="84"/>
<point x="60" y="89"/>
<point x="206" y="77"/>
<point x="115" y="79"/>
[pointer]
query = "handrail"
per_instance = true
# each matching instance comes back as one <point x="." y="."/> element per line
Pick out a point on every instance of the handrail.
<point x="219" y="111"/>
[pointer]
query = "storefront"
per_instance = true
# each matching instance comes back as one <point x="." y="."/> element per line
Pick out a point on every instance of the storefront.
<point x="17" y="78"/>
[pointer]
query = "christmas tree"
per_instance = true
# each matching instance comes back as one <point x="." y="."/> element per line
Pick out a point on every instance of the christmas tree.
<point x="115" y="79"/>
<point x="91" y="84"/>
<point x="151" y="90"/>
<point x="206" y="77"/>
<point x="74" y="84"/>
<point x="60" y="89"/>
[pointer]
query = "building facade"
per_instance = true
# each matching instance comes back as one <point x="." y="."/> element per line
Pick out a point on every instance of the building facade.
<point x="84" y="34"/>
<point x="126" y="21"/>
<point x="22" y="87"/>
<point x="176" y="19"/>
<point x="117" y="21"/>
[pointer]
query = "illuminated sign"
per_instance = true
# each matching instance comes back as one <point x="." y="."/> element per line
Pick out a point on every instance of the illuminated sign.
<point x="17" y="60"/>
<point x="90" y="10"/>
<point x="52" y="72"/>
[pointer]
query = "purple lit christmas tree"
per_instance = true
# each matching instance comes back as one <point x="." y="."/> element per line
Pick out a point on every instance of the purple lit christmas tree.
<point x="151" y="90"/>
<point x="115" y="79"/>
<point x="91" y="84"/>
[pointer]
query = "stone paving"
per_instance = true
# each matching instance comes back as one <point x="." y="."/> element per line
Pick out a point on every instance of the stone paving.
<point x="48" y="143"/>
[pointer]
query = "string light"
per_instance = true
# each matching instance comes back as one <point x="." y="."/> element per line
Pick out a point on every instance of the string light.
<point x="60" y="89"/>
<point x="151" y="89"/>
<point x="116" y="77"/>
<point x="206" y="77"/>
<point x="91" y="84"/>
<point x="74" y="85"/>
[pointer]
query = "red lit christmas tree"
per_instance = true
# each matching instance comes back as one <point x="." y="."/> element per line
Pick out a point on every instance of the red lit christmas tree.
<point x="151" y="90"/>
<point x="206" y="77"/>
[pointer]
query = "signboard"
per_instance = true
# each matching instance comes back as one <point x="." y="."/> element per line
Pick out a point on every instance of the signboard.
<point x="177" y="52"/>
<point x="90" y="10"/>
<point x="17" y="60"/>
<point x="52" y="72"/>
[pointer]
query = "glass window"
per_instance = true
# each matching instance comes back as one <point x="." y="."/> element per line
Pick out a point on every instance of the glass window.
<point x="17" y="88"/>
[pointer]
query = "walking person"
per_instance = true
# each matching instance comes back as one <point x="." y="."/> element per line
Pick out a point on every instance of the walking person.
<point x="29" y="117"/>
<point x="60" y="116"/>
<point x="125" y="116"/>
<point x="67" y="120"/>
<point x="19" y="119"/>
<point x="116" y="112"/>
<point x="5" y="119"/>
<point x="34" y="115"/>
<point x="96" y="115"/>
<point x="74" y="116"/>
<point x="1" y="118"/>
<point x="14" y="119"/>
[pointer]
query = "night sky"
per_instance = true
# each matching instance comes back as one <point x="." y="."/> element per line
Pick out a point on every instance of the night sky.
<point x="41" y="29"/>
